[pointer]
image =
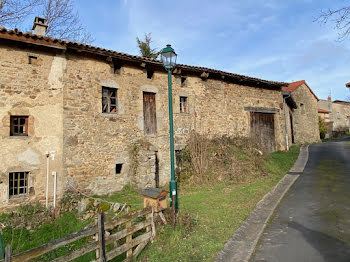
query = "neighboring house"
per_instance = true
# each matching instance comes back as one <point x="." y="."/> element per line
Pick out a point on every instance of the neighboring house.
<point x="339" y="116"/>
<point x="99" y="118"/>
<point x="304" y="118"/>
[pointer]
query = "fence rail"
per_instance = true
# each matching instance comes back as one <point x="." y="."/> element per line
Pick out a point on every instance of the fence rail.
<point x="103" y="234"/>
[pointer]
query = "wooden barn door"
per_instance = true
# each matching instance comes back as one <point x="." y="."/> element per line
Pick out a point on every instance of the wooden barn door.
<point x="149" y="113"/>
<point x="262" y="130"/>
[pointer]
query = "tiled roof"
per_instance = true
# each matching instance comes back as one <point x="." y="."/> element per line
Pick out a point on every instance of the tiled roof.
<point x="342" y="102"/>
<point x="322" y="111"/>
<point x="347" y="84"/>
<point x="17" y="35"/>
<point x="295" y="85"/>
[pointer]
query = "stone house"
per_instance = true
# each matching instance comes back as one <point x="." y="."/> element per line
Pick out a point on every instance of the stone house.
<point x="339" y="116"/>
<point x="303" y="119"/>
<point x="74" y="116"/>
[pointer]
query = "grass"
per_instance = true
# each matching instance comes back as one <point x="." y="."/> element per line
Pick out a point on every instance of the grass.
<point x="210" y="214"/>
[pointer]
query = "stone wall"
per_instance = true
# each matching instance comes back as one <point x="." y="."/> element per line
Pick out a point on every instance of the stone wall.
<point x="305" y="117"/>
<point x="341" y="117"/>
<point x="63" y="97"/>
<point x="33" y="90"/>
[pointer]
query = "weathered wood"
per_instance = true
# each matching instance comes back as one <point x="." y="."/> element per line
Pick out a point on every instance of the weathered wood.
<point x="262" y="130"/>
<point x="122" y="220"/>
<point x="35" y="252"/>
<point x="127" y="231"/>
<point x="8" y="253"/>
<point x="101" y="237"/>
<point x="152" y="224"/>
<point x="78" y="253"/>
<point x="123" y="248"/>
<point x="128" y="239"/>
<point x="162" y="217"/>
<point x="261" y="110"/>
<point x="139" y="248"/>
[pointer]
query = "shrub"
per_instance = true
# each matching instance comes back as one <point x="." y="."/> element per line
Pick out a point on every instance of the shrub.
<point x="322" y="127"/>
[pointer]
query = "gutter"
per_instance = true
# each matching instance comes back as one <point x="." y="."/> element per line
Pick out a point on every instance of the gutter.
<point x="285" y="96"/>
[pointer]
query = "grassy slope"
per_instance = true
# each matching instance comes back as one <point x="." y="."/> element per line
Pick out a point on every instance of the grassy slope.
<point x="213" y="214"/>
<point x="218" y="211"/>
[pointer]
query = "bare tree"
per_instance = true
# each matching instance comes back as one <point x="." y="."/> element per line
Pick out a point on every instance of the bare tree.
<point x="63" y="22"/>
<point x="145" y="47"/>
<point x="13" y="12"/>
<point x="341" y="19"/>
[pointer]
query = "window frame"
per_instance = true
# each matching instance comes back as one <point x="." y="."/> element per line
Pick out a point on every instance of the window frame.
<point x="183" y="104"/>
<point x="108" y="99"/>
<point x="18" y="187"/>
<point x="18" y="125"/>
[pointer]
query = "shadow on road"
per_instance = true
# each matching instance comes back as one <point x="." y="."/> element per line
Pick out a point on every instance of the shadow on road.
<point x="330" y="248"/>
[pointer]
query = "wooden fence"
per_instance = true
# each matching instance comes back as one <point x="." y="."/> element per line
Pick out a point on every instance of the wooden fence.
<point x="108" y="239"/>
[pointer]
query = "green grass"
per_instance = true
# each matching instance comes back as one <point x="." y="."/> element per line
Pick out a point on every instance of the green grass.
<point x="210" y="214"/>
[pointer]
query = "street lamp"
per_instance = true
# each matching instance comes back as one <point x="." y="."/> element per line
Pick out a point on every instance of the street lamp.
<point x="168" y="57"/>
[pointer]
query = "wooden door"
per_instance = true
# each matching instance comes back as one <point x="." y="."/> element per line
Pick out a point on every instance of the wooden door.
<point x="149" y="113"/>
<point x="262" y="130"/>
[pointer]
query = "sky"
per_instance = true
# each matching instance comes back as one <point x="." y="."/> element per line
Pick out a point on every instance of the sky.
<point x="270" y="39"/>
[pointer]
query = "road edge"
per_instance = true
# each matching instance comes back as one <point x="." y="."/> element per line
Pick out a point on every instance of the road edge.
<point x="241" y="246"/>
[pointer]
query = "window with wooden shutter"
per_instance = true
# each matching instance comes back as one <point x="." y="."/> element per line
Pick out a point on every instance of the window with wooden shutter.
<point x="149" y="113"/>
<point x="109" y="100"/>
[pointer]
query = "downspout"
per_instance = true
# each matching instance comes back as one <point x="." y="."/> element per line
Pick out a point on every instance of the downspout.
<point x="285" y="121"/>
<point x="47" y="180"/>
<point x="54" y="173"/>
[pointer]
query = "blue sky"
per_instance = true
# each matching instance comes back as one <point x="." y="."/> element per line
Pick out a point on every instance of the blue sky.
<point x="269" y="39"/>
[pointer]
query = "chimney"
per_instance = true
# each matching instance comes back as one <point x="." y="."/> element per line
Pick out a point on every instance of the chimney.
<point x="329" y="98"/>
<point x="39" y="26"/>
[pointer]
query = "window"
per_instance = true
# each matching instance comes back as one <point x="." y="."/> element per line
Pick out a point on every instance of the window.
<point x="150" y="74"/>
<point x="183" y="104"/>
<point x="116" y="68"/>
<point x="33" y="60"/>
<point x="118" y="168"/>
<point x="109" y="100"/>
<point x="183" y="81"/>
<point x="18" y="183"/>
<point x="19" y="126"/>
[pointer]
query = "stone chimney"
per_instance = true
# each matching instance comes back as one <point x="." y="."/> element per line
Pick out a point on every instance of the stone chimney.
<point x="329" y="98"/>
<point x="39" y="26"/>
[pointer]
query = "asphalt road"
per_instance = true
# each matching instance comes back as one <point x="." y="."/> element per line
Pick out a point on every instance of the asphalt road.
<point x="312" y="223"/>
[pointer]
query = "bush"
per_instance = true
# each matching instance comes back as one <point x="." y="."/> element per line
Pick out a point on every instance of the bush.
<point x="224" y="158"/>
<point x="322" y="127"/>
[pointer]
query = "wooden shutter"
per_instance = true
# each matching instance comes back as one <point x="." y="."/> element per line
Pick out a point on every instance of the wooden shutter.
<point x="149" y="113"/>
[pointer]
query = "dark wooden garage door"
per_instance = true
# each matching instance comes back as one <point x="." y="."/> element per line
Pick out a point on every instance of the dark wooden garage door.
<point x="262" y="130"/>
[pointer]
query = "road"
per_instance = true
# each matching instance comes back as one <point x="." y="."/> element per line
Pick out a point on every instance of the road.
<point x="312" y="223"/>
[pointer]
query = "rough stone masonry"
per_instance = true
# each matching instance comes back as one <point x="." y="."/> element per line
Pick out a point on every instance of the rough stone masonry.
<point x="60" y="89"/>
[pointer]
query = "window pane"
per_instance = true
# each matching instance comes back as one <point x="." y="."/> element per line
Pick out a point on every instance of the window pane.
<point x="15" y="120"/>
<point x="15" y="129"/>
<point x="22" y="121"/>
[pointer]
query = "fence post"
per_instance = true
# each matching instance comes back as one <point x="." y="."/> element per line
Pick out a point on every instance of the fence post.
<point x="8" y="253"/>
<point x="128" y="237"/>
<point x="101" y="237"/>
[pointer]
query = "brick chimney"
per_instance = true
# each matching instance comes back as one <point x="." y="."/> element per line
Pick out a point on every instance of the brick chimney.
<point x="39" y="26"/>
<point x="329" y="98"/>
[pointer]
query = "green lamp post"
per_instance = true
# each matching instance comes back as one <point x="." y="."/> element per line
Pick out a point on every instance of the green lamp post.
<point x="168" y="57"/>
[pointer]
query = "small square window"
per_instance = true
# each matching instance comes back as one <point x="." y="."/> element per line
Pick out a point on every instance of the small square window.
<point x="118" y="168"/>
<point x="183" y="81"/>
<point x="19" y="126"/>
<point x="150" y="74"/>
<point x="109" y="100"/>
<point x="183" y="104"/>
<point x="33" y="60"/>
<point x="116" y="68"/>
<point x="18" y="183"/>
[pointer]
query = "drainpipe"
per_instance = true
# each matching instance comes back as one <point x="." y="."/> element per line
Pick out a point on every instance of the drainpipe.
<point x="285" y="118"/>
<point x="52" y="155"/>
<point x="54" y="173"/>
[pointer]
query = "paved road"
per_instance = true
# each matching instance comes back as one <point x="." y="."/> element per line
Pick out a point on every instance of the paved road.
<point x="312" y="223"/>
